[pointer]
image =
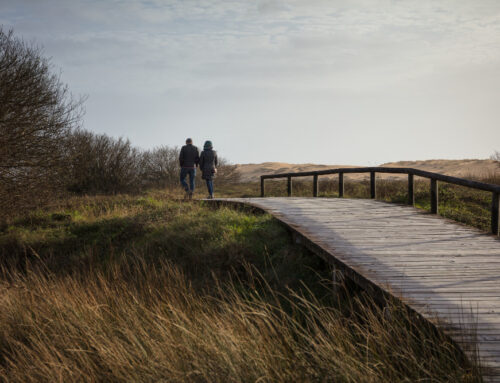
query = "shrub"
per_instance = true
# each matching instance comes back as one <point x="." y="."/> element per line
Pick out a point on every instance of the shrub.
<point x="98" y="163"/>
<point x="36" y="114"/>
<point x="160" y="166"/>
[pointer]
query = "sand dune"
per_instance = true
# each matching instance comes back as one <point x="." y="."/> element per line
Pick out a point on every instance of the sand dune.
<point x="457" y="168"/>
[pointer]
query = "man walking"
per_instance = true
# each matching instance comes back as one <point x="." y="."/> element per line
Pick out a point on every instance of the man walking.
<point x="189" y="159"/>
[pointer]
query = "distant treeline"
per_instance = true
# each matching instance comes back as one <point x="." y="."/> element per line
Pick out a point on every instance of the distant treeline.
<point x="44" y="153"/>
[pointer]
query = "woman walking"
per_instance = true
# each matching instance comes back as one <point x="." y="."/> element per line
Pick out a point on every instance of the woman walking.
<point x="208" y="166"/>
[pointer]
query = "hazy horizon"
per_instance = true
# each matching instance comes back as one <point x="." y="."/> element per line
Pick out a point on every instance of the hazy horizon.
<point x="325" y="82"/>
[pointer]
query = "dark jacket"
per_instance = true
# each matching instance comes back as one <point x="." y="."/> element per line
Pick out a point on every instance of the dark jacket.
<point x="208" y="162"/>
<point x="189" y="156"/>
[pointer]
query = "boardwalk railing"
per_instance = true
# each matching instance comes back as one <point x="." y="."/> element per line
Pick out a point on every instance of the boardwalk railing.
<point x="433" y="177"/>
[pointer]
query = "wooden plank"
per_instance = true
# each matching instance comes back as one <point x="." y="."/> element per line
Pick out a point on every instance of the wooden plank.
<point x="446" y="271"/>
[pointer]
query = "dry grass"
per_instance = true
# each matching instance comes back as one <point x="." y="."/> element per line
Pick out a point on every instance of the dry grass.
<point x="139" y="322"/>
<point x="186" y="293"/>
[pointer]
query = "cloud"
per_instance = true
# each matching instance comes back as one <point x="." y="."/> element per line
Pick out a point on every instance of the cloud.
<point x="209" y="42"/>
<point x="291" y="55"/>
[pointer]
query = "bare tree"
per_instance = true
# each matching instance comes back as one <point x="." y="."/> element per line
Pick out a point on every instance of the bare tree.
<point x="161" y="166"/>
<point x="97" y="163"/>
<point x="495" y="156"/>
<point x="36" y="113"/>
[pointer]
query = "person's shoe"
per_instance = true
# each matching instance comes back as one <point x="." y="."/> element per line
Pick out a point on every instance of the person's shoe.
<point x="209" y="196"/>
<point x="190" y="195"/>
<point x="186" y="194"/>
<point x="212" y="196"/>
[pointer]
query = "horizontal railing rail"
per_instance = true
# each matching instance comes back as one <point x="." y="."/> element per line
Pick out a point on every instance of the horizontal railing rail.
<point x="411" y="172"/>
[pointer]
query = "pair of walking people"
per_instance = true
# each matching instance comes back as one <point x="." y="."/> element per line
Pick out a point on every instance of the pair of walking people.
<point x="190" y="159"/>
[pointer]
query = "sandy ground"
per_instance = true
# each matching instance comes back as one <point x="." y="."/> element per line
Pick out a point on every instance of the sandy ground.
<point x="457" y="168"/>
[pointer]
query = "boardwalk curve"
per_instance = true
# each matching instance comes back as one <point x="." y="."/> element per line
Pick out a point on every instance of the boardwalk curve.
<point x="447" y="272"/>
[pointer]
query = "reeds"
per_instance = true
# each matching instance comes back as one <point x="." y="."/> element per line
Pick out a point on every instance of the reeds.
<point x="143" y="322"/>
<point x="188" y="294"/>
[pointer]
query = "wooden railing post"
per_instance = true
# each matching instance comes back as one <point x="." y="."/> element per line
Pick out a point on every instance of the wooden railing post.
<point x="434" y="196"/>
<point x="411" y="194"/>
<point x="315" y="185"/>
<point x="495" y="213"/>
<point x="341" y="185"/>
<point x="262" y="189"/>
<point x="289" y="186"/>
<point x="373" y="186"/>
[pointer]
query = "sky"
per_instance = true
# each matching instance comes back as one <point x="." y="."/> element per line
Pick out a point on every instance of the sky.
<point x="359" y="82"/>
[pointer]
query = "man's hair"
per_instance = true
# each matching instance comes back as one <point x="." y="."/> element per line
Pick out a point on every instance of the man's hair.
<point x="189" y="141"/>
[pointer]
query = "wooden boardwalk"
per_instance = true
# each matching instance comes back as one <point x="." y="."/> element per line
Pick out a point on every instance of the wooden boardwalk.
<point x="447" y="272"/>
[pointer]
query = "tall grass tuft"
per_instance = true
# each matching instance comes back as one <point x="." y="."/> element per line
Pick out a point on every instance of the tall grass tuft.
<point x="138" y="321"/>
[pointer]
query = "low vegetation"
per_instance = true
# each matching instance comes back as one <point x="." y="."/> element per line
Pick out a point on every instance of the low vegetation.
<point x="149" y="288"/>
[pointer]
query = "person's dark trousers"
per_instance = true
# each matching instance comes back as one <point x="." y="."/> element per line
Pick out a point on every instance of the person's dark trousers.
<point x="210" y="187"/>
<point x="192" y="174"/>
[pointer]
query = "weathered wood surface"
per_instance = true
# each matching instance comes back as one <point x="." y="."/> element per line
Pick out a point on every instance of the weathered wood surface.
<point x="446" y="271"/>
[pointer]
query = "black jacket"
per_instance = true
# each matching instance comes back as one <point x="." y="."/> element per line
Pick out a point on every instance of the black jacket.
<point x="189" y="156"/>
<point x="208" y="162"/>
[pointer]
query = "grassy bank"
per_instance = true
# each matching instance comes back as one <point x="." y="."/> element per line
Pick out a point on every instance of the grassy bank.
<point x="149" y="288"/>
